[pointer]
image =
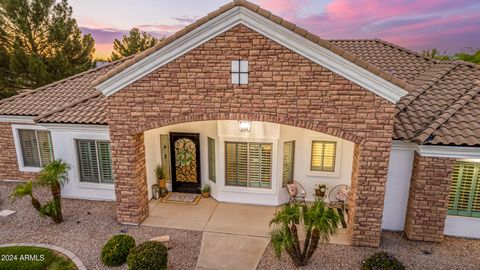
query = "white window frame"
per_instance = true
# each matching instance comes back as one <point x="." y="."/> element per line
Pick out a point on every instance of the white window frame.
<point x="338" y="158"/>
<point x="18" y="146"/>
<point x="79" y="182"/>
<point x="237" y="69"/>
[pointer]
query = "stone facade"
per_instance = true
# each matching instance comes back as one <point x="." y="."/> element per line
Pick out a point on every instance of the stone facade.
<point x="428" y="200"/>
<point x="8" y="158"/>
<point x="284" y="88"/>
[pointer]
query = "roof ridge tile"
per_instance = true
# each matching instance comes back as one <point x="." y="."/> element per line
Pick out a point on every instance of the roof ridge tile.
<point x="384" y="42"/>
<point x="417" y="92"/>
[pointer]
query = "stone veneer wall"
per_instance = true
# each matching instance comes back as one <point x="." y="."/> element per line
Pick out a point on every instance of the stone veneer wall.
<point x="428" y="199"/>
<point x="8" y="157"/>
<point x="284" y="88"/>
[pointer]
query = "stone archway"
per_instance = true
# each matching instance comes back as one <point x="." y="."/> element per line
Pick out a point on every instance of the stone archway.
<point x="131" y="189"/>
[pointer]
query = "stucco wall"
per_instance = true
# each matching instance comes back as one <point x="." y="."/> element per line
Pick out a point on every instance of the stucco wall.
<point x="397" y="189"/>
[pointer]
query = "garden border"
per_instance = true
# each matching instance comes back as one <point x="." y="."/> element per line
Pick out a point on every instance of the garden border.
<point x="65" y="252"/>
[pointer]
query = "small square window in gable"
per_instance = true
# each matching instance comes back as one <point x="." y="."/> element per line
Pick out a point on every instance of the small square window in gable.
<point x="239" y="71"/>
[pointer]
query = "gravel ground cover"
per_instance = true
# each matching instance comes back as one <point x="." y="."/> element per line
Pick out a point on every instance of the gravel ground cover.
<point x="87" y="226"/>
<point x="452" y="253"/>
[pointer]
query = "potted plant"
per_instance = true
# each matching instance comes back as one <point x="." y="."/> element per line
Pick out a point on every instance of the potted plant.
<point x="206" y="191"/>
<point x="320" y="190"/>
<point x="162" y="182"/>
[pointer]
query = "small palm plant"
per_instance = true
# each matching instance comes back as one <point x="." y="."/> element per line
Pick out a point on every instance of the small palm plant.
<point x="320" y="222"/>
<point x="53" y="175"/>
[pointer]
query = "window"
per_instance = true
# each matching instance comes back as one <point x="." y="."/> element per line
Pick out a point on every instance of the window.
<point x="248" y="164"/>
<point x="36" y="146"/>
<point x="323" y="156"/>
<point x="211" y="159"/>
<point x="94" y="161"/>
<point x="239" y="72"/>
<point x="288" y="162"/>
<point x="464" y="199"/>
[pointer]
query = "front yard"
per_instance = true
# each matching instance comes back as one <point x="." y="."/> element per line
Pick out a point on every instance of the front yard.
<point x="89" y="224"/>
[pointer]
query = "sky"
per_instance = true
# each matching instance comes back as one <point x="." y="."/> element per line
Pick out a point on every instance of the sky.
<point x="448" y="25"/>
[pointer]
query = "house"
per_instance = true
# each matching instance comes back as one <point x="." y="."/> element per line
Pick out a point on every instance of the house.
<point x="246" y="101"/>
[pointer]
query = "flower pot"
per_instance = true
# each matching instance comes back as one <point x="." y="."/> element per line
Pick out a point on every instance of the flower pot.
<point x="319" y="193"/>
<point x="162" y="183"/>
<point x="205" y="194"/>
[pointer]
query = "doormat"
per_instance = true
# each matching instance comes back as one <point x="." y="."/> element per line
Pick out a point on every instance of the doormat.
<point x="179" y="197"/>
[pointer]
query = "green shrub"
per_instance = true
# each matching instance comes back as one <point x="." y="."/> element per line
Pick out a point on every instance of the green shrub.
<point x="116" y="250"/>
<point x="150" y="255"/>
<point x="382" y="261"/>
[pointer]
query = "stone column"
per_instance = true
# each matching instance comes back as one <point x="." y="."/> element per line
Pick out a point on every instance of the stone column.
<point x="428" y="199"/>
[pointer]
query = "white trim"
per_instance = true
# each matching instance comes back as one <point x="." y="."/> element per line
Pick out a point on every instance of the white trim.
<point x="269" y="29"/>
<point x="76" y="127"/>
<point x="18" y="148"/>
<point x="17" y="119"/>
<point x="404" y="146"/>
<point x="449" y="151"/>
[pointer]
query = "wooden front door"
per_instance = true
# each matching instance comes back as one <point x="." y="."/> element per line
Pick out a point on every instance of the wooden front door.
<point x="185" y="153"/>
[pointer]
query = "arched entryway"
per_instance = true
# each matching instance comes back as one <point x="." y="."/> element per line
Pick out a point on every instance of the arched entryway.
<point x="132" y="188"/>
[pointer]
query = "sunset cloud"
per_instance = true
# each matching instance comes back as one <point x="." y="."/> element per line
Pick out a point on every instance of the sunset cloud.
<point x="443" y="24"/>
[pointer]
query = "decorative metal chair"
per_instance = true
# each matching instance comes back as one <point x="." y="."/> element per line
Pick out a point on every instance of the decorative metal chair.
<point x="338" y="197"/>
<point x="296" y="192"/>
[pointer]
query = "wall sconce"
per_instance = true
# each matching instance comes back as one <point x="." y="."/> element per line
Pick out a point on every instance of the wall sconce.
<point x="245" y="125"/>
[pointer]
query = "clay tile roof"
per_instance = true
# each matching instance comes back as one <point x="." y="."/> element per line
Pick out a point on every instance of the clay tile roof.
<point x="443" y="106"/>
<point x="349" y="55"/>
<point x="88" y="110"/>
<point x="55" y="95"/>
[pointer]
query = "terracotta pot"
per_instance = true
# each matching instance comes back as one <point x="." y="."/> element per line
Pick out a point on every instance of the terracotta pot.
<point x="319" y="193"/>
<point x="205" y="194"/>
<point x="162" y="183"/>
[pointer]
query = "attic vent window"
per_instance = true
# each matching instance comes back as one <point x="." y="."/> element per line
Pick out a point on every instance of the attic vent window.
<point x="239" y="72"/>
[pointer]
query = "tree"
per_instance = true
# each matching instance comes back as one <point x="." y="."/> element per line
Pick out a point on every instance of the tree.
<point x="132" y="43"/>
<point x="40" y="43"/>
<point x="53" y="175"/>
<point x="467" y="56"/>
<point x="473" y="56"/>
<point x="435" y="54"/>
<point x="320" y="223"/>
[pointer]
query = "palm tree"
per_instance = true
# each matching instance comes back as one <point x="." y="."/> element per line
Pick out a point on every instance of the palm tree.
<point x="53" y="175"/>
<point x="319" y="221"/>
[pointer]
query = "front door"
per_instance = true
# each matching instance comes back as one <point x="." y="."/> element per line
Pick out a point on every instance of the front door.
<point x="185" y="152"/>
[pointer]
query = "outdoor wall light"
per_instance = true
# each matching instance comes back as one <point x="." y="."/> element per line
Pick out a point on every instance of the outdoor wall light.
<point x="245" y="125"/>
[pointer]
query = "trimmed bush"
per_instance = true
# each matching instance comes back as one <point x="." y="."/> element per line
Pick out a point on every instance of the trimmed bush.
<point x="116" y="250"/>
<point x="150" y="255"/>
<point x="382" y="261"/>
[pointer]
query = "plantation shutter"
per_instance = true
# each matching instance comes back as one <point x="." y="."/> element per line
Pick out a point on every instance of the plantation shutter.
<point x="88" y="161"/>
<point x="105" y="162"/>
<point x="265" y="165"/>
<point x="323" y="156"/>
<point x="248" y="164"/>
<point x="211" y="159"/>
<point x="29" y="145"/>
<point x="288" y="162"/>
<point x="45" y="146"/>
<point x="464" y="198"/>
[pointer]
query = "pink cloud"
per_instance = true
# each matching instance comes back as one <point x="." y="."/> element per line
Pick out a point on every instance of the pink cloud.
<point x="282" y="6"/>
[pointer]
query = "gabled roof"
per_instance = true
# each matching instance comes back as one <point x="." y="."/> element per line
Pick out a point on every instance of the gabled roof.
<point x="364" y="73"/>
<point x="442" y="106"/>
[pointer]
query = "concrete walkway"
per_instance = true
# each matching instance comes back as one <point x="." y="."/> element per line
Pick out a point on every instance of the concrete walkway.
<point x="235" y="236"/>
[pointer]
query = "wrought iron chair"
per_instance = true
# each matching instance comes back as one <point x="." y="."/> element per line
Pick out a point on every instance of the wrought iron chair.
<point x="296" y="192"/>
<point x="338" y="197"/>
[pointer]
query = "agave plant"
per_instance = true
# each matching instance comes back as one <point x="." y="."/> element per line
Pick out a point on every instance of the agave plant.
<point x="53" y="175"/>
<point x="319" y="221"/>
